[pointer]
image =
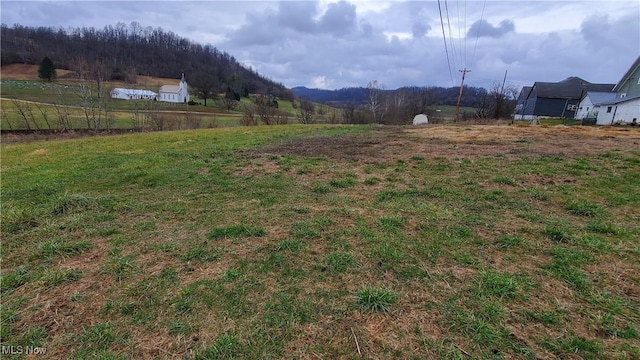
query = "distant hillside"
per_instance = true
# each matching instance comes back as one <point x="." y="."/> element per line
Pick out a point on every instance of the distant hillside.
<point x="123" y="52"/>
<point x="356" y="96"/>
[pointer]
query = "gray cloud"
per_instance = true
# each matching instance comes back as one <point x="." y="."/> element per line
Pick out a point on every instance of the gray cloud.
<point x="339" y="19"/>
<point x="296" y="15"/>
<point x="482" y="28"/>
<point x="602" y="33"/>
<point x="398" y="43"/>
<point x="420" y="29"/>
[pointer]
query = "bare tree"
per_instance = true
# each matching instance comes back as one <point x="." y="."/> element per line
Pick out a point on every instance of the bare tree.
<point x="280" y="118"/>
<point x="498" y="103"/>
<point x="332" y="117"/>
<point x="306" y="111"/>
<point x="348" y="113"/>
<point x="89" y="98"/>
<point x="249" y="115"/>
<point x="397" y="108"/>
<point x="138" y="116"/>
<point x="266" y="108"/>
<point x="45" y="114"/>
<point x="25" y="113"/>
<point x="374" y="102"/>
<point x="205" y="85"/>
<point x="5" y="117"/>
<point x="99" y="72"/>
<point x="230" y="99"/>
<point x="62" y="113"/>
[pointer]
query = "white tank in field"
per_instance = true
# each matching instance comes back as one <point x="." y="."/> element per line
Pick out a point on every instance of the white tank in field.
<point x="420" y="119"/>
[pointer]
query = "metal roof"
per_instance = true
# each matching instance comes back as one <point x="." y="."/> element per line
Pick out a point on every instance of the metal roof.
<point x="598" y="97"/>
<point x="136" y="92"/>
<point x="569" y="88"/>
<point x="620" y="100"/>
<point x="626" y="76"/>
<point x="170" y="88"/>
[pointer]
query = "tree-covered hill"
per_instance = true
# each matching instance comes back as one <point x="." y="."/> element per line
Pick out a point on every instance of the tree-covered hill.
<point x="123" y="51"/>
<point x="358" y="95"/>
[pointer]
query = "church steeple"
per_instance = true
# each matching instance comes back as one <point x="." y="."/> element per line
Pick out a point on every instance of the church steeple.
<point x="183" y="89"/>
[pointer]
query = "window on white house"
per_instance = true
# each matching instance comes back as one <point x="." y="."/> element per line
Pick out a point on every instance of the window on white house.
<point x="623" y="95"/>
<point x="608" y="109"/>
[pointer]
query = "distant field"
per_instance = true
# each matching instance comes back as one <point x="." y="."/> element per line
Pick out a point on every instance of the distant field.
<point x="40" y="104"/>
<point x="329" y="242"/>
<point x="20" y="82"/>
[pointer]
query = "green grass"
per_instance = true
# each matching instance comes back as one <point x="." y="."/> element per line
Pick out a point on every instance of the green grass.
<point x="229" y="243"/>
<point x="376" y="299"/>
<point x="585" y="208"/>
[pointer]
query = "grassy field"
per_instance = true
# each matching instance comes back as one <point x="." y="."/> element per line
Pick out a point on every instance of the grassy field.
<point x="42" y="116"/>
<point x="332" y="242"/>
<point x="41" y="104"/>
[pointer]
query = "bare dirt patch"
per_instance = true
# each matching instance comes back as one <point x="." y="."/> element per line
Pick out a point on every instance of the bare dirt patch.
<point x="30" y="72"/>
<point x="25" y="72"/>
<point x="463" y="142"/>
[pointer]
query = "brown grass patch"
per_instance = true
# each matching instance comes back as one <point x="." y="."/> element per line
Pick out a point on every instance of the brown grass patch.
<point x="39" y="152"/>
<point x="30" y="72"/>
<point x="25" y="72"/>
<point x="462" y="142"/>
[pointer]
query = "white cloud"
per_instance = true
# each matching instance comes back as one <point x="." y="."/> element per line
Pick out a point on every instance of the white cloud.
<point x="319" y="82"/>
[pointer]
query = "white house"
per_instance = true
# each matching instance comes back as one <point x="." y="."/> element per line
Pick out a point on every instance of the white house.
<point x="625" y="107"/>
<point x="133" y="94"/>
<point x="618" y="111"/>
<point x="587" y="108"/>
<point x="175" y="93"/>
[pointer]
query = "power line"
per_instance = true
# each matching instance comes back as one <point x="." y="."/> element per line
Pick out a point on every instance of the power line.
<point x="444" y="37"/>
<point x="473" y="57"/>
<point x="453" y="46"/>
<point x="465" y="35"/>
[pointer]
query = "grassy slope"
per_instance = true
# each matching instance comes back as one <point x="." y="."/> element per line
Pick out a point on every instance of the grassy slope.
<point x="21" y="82"/>
<point x="65" y="92"/>
<point x="181" y="244"/>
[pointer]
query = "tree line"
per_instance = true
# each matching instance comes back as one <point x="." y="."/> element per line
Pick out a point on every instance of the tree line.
<point x="375" y="104"/>
<point x="122" y="52"/>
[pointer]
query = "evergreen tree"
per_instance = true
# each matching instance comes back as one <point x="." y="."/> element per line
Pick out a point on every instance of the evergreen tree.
<point x="47" y="71"/>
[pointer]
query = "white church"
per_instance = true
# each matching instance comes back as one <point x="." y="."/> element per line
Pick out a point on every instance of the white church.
<point x="174" y="93"/>
<point x="167" y="93"/>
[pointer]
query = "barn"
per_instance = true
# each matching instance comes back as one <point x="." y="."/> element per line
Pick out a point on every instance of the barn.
<point x="133" y="94"/>
<point x="559" y="99"/>
<point x="625" y="107"/>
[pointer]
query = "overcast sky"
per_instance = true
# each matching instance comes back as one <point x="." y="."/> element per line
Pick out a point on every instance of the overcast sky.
<point x="335" y="44"/>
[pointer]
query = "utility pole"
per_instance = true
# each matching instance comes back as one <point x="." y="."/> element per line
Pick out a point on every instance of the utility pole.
<point x="464" y="72"/>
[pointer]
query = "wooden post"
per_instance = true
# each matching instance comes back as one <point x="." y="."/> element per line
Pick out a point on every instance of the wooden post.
<point x="464" y="72"/>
